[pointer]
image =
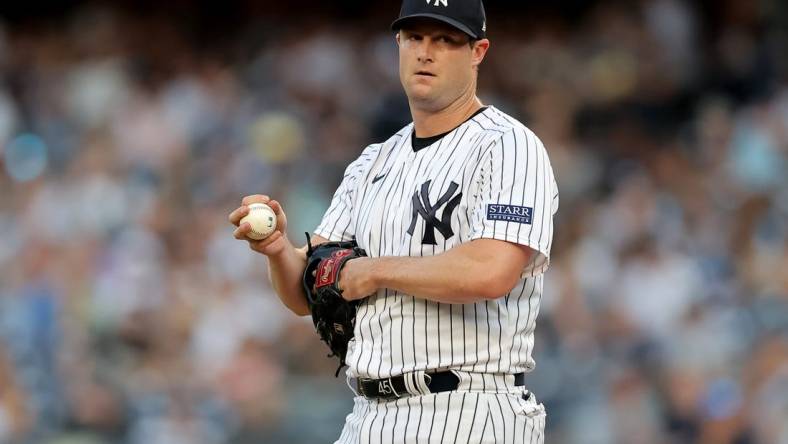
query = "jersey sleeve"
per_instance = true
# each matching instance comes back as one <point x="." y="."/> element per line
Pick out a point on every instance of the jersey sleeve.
<point x="337" y="223"/>
<point x="515" y="196"/>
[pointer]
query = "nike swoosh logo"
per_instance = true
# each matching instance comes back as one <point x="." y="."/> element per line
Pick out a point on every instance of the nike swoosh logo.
<point x="379" y="177"/>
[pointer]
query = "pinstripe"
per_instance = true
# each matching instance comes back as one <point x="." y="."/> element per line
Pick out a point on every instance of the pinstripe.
<point x="408" y="422"/>
<point x="484" y="429"/>
<point x="383" y="423"/>
<point x="413" y="336"/>
<point x="426" y="333"/>
<point x="500" y="313"/>
<point x="525" y="186"/>
<point x="538" y="427"/>
<point x="446" y="422"/>
<point x="459" y="420"/>
<point x="360" y="421"/>
<point x="464" y="354"/>
<point x="395" y="300"/>
<point x="371" y="302"/>
<point x="432" y="417"/>
<point x="451" y="329"/>
<point x="380" y="325"/>
<point x="516" y="437"/>
<point x="366" y="429"/>
<point x="541" y="176"/>
<point x="506" y="230"/>
<point x="487" y="336"/>
<point x="397" y="411"/>
<point x="401" y="303"/>
<point x="476" y="333"/>
<point x="362" y="433"/>
<point x="521" y="435"/>
<point x="421" y="413"/>
<point x="516" y="419"/>
<point x="490" y="186"/>
<point x="528" y="318"/>
<point x="533" y="428"/>
<point x="379" y="418"/>
<point x="473" y="418"/>
<point x="497" y="422"/>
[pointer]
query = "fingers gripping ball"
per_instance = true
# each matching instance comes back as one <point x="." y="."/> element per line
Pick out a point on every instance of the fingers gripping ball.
<point x="262" y="219"/>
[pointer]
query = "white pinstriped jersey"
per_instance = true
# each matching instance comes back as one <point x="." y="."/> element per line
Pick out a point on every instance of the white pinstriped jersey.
<point x="488" y="178"/>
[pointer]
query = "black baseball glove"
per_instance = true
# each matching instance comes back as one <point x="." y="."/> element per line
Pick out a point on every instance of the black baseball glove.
<point x="333" y="316"/>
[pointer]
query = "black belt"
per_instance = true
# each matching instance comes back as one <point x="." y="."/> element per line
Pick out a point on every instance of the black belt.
<point x="395" y="387"/>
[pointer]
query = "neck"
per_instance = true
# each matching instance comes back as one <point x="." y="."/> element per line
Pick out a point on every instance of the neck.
<point x="430" y="123"/>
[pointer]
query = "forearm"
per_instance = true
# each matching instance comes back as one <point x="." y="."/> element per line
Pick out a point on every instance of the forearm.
<point x="448" y="278"/>
<point x="285" y="271"/>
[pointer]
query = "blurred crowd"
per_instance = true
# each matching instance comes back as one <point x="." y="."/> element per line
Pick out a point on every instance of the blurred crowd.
<point x="129" y="314"/>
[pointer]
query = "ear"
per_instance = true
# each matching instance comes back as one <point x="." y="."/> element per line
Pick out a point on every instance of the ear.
<point x="479" y="51"/>
<point x="396" y="36"/>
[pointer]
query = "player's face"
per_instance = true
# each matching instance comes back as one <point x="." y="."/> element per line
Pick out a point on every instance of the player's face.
<point x="437" y="66"/>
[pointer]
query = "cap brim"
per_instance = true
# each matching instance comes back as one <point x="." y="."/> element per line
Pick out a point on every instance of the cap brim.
<point x="400" y="22"/>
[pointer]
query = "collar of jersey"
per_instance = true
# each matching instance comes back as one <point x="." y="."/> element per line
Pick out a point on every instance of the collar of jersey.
<point x="419" y="143"/>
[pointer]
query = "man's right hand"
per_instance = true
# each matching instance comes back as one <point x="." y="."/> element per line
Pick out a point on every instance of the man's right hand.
<point x="273" y="244"/>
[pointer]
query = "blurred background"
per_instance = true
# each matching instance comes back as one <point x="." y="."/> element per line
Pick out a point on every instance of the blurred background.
<point x="129" y="130"/>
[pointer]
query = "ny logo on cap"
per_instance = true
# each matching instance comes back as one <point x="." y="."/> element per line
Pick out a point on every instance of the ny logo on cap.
<point x="439" y="2"/>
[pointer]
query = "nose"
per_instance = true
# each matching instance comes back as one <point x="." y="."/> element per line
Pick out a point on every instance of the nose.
<point x="424" y="53"/>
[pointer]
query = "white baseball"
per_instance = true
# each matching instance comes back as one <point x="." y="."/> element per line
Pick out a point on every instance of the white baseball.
<point x="262" y="220"/>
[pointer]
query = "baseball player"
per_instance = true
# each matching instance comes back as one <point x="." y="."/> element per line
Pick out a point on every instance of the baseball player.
<point x="455" y="214"/>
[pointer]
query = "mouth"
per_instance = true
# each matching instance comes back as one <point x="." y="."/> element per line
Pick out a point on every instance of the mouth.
<point x="425" y="74"/>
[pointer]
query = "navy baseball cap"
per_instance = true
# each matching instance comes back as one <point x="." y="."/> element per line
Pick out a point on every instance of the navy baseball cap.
<point x="466" y="15"/>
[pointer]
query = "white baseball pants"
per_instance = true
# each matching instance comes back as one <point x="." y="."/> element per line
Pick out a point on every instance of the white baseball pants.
<point x="447" y="418"/>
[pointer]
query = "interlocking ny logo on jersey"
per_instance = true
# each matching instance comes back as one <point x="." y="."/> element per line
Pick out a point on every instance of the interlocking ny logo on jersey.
<point x="439" y="2"/>
<point x="424" y="208"/>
